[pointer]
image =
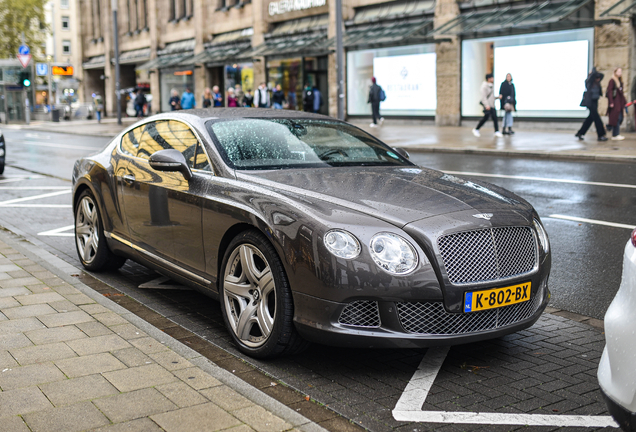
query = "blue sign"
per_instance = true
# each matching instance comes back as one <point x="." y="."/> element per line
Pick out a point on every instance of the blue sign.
<point x="24" y="50"/>
<point x="41" y="69"/>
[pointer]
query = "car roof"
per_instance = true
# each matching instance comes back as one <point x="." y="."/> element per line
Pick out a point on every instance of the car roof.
<point x="209" y="113"/>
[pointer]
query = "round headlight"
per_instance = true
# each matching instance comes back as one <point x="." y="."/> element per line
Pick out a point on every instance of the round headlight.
<point x="393" y="254"/>
<point x="543" y="236"/>
<point x="342" y="244"/>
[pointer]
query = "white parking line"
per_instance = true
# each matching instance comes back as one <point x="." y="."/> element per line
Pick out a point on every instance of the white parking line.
<point x="409" y="406"/>
<point x="17" y="179"/>
<point x="33" y="187"/>
<point x="592" y="221"/>
<point x="56" y="145"/>
<point x="474" y="174"/>
<point x="59" y="232"/>
<point x="30" y="198"/>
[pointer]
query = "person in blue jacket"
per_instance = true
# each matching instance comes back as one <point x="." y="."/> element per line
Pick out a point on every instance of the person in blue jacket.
<point x="187" y="99"/>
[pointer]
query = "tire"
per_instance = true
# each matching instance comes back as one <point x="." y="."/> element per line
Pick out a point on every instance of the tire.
<point x="2" y="166"/>
<point x="256" y="299"/>
<point x="90" y="241"/>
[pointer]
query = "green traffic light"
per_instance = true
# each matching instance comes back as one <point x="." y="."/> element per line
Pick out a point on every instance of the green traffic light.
<point x="26" y="83"/>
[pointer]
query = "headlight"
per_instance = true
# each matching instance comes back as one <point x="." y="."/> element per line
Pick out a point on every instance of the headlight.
<point x="393" y="254"/>
<point x="342" y="244"/>
<point x="543" y="236"/>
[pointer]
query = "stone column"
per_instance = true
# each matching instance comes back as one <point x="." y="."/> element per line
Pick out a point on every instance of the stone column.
<point x="613" y="48"/>
<point x="448" y="68"/>
<point x="332" y="75"/>
<point x="261" y="26"/>
<point x="200" y="74"/>
<point x="110" y="99"/>
<point x="154" y="27"/>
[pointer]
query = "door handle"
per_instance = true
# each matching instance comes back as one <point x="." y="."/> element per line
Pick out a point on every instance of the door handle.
<point x="129" y="178"/>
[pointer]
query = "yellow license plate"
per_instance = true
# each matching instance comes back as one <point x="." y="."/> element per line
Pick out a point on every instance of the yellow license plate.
<point x="493" y="298"/>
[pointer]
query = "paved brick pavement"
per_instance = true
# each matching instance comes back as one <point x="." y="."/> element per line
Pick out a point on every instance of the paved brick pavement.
<point x="72" y="360"/>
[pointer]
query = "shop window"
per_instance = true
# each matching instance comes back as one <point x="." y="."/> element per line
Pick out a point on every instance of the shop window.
<point x="66" y="46"/>
<point x="66" y="24"/>
<point x="64" y="4"/>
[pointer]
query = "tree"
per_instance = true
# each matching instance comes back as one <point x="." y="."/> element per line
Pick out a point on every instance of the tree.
<point x="17" y="17"/>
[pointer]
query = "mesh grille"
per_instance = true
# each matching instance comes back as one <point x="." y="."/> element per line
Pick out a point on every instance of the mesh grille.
<point x="361" y="313"/>
<point x="432" y="318"/>
<point x="488" y="255"/>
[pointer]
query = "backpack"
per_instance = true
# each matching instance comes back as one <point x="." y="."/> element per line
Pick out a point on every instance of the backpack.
<point x="382" y="95"/>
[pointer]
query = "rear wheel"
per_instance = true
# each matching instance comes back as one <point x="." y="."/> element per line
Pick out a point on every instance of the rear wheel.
<point x="90" y="242"/>
<point x="256" y="299"/>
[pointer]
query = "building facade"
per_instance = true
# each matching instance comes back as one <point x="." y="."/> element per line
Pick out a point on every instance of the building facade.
<point x="430" y="56"/>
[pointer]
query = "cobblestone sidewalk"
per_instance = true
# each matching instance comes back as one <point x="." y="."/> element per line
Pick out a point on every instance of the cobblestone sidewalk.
<point x="72" y="360"/>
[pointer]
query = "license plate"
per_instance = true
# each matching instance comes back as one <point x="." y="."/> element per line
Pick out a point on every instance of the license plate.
<point x="493" y="298"/>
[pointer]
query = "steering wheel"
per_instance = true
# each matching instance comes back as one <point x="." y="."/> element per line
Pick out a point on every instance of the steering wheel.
<point x="331" y="152"/>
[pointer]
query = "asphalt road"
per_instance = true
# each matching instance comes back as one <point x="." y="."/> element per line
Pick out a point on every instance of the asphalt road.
<point x="364" y="385"/>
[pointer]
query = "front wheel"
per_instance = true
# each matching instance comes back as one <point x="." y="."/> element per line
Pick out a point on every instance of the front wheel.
<point x="256" y="300"/>
<point x="90" y="242"/>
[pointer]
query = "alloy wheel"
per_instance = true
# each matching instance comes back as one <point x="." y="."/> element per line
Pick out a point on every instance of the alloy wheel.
<point x="87" y="229"/>
<point x="249" y="294"/>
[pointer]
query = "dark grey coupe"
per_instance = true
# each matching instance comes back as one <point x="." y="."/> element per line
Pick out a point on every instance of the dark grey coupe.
<point x="309" y="229"/>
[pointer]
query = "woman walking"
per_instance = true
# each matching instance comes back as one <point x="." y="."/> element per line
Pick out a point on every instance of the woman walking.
<point x="508" y="103"/>
<point x="617" y="102"/>
<point x="207" y="98"/>
<point x="278" y="97"/>
<point x="593" y="92"/>
<point x="232" y="101"/>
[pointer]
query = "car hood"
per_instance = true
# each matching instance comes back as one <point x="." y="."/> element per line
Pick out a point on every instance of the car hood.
<point x="398" y="195"/>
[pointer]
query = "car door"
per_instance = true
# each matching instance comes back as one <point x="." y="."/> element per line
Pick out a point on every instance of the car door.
<point x="163" y="211"/>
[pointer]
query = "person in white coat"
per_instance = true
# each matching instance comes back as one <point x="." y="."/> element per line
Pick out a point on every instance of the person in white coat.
<point x="487" y="101"/>
<point x="261" y="97"/>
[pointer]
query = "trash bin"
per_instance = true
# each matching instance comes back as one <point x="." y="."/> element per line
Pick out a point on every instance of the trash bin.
<point x="55" y="115"/>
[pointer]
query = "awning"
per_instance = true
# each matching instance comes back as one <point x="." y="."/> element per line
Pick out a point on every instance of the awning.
<point x="134" y="56"/>
<point x="626" y="8"/>
<point x="96" y="62"/>
<point x="301" y="37"/>
<point x="219" y="55"/>
<point x="387" y="33"/>
<point x="174" y="54"/>
<point x="393" y="11"/>
<point x="512" y="17"/>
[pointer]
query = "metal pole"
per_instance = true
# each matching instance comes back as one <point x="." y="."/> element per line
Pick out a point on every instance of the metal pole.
<point x="48" y="75"/>
<point x="116" y="43"/>
<point x="339" y="60"/>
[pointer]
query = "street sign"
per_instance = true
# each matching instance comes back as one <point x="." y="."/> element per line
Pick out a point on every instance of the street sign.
<point x="24" y="50"/>
<point x="24" y="59"/>
<point x="41" y="69"/>
<point x="62" y="70"/>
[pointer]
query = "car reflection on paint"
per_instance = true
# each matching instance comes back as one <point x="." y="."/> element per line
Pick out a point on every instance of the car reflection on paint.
<point x="309" y="229"/>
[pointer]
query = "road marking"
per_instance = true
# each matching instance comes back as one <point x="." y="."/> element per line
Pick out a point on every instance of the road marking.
<point x="56" y="145"/>
<point x="474" y="174"/>
<point x="59" y="232"/>
<point x="16" y="179"/>
<point x="29" y="198"/>
<point x="33" y="187"/>
<point x="409" y="406"/>
<point x="37" y="205"/>
<point x="592" y="221"/>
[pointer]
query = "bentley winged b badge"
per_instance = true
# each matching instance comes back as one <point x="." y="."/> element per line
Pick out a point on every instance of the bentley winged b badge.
<point x="485" y="216"/>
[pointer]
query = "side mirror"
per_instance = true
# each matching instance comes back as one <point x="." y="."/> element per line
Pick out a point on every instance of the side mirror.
<point x="170" y="160"/>
<point x="402" y="152"/>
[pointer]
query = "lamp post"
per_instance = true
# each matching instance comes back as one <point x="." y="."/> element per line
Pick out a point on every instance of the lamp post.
<point x="339" y="60"/>
<point x="116" y="44"/>
<point x="48" y="76"/>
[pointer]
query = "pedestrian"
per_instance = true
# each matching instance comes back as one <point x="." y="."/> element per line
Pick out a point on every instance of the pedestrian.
<point x="308" y="98"/>
<point x="278" y="97"/>
<point x="140" y="102"/>
<point x="231" y="98"/>
<point x="187" y="99"/>
<point x="207" y="98"/>
<point x="248" y="99"/>
<point x="376" y="95"/>
<point x="217" y="97"/>
<point x="487" y="101"/>
<point x="317" y="99"/>
<point x="261" y="96"/>
<point x="508" y="104"/>
<point x="593" y="92"/>
<point x="175" y="100"/>
<point x="616" y="103"/>
<point x="238" y="92"/>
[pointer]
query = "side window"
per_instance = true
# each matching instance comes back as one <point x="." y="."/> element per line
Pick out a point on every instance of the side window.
<point x="130" y="141"/>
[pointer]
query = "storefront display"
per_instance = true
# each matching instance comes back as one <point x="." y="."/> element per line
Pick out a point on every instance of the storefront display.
<point x="175" y="80"/>
<point x="289" y="74"/>
<point x="406" y="74"/>
<point x="242" y="74"/>
<point x="536" y="62"/>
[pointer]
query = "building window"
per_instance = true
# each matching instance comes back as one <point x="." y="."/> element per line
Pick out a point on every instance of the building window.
<point x="66" y="23"/>
<point x="173" y="10"/>
<point x="64" y="4"/>
<point x="66" y="46"/>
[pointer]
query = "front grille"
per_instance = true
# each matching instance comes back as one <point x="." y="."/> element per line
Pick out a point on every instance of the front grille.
<point x="433" y="319"/>
<point x="488" y="255"/>
<point x="361" y="313"/>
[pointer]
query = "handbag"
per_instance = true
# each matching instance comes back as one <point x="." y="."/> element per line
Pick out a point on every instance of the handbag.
<point x="508" y="107"/>
<point x="585" y="102"/>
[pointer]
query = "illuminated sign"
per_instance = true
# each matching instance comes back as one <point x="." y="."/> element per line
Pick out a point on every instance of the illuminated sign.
<point x="284" y="6"/>
<point x="62" y="70"/>
<point x="181" y="73"/>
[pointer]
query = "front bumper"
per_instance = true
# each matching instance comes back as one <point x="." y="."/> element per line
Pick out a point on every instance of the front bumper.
<point x="320" y="321"/>
<point x="624" y="417"/>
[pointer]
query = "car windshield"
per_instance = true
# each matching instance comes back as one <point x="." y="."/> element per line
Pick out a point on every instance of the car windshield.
<point x="260" y="144"/>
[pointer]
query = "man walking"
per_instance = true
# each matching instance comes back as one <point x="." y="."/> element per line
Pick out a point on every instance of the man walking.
<point x="261" y="96"/>
<point x="488" y="102"/>
<point x="375" y="97"/>
<point x="187" y="99"/>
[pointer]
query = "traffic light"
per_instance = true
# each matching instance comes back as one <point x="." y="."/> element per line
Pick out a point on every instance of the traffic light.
<point x="24" y="79"/>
